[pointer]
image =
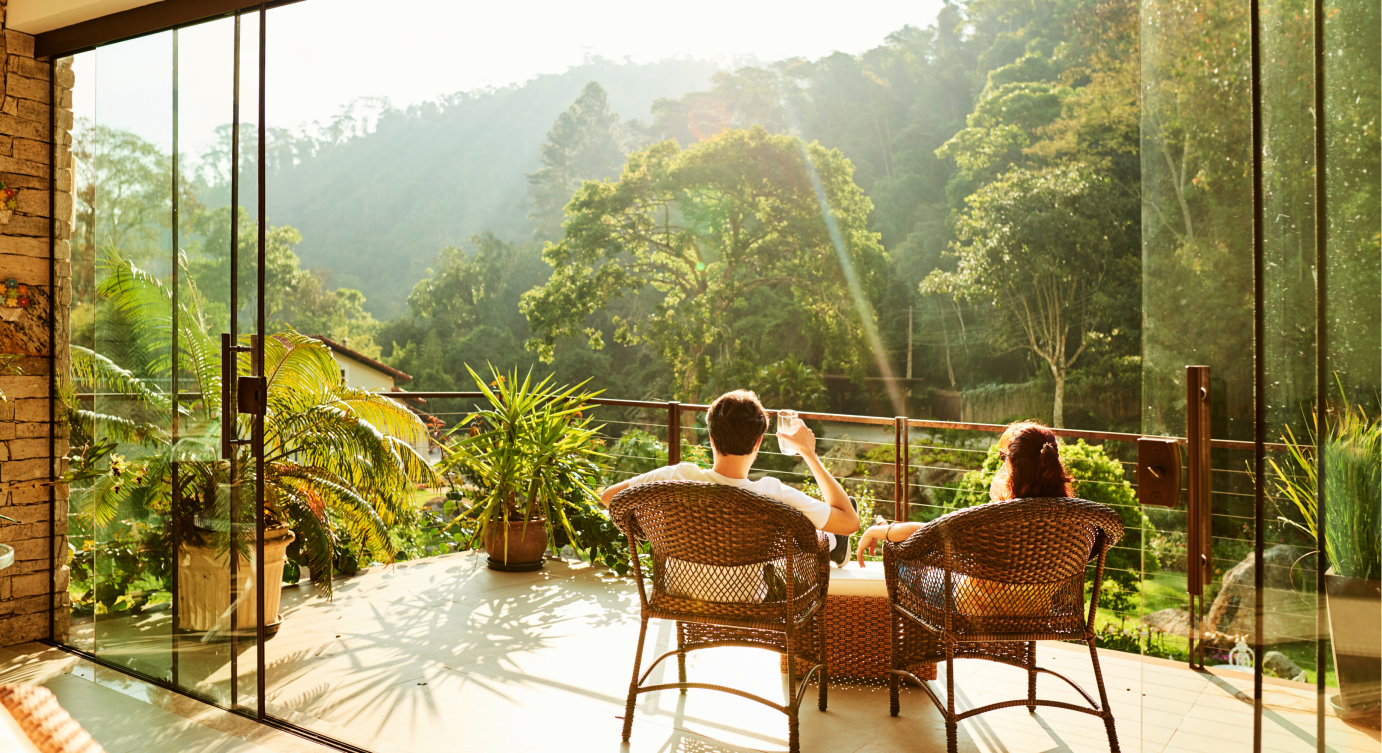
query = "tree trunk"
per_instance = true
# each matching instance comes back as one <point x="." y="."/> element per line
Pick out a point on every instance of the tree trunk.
<point x="1058" y="407"/>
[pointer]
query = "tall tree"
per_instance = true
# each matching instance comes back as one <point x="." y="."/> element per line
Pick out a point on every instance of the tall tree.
<point x="585" y="143"/>
<point x="294" y="297"/>
<point x="1043" y="249"/>
<point x="465" y="288"/>
<point x="123" y="199"/>
<point x="688" y="235"/>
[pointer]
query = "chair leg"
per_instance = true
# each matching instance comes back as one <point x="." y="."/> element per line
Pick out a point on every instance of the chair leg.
<point x="681" y="654"/>
<point x="825" y="664"/>
<point x="793" y="743"/>
<point x="952" y="726"/>
<point x="1031" y="676"/>
<point x="1103" y="699"/>
<point x="894" y="707"/>
<point x="633" y="684"/>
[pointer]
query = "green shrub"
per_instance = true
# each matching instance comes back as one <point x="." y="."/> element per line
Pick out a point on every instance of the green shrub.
<point x="635" y="453"/>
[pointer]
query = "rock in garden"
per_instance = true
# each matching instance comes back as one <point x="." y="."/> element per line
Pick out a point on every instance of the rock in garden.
<point x="840" y="459"/>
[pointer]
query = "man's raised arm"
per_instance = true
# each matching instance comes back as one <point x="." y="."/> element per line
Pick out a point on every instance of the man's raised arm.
<point x="843" y="518"/>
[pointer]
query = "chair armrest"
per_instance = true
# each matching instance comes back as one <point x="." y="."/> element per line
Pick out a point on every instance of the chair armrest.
<point x="12" y="738"/>
<point x="823" y="562"/>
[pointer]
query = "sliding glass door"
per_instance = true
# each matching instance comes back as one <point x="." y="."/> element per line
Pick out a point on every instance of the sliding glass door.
<point x="1287" y="334"/>
<point x="163" y="525"/>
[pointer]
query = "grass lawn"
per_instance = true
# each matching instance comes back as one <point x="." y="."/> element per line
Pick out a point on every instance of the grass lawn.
<point x="421" y="497"/>
<point x="1167" y="590"/>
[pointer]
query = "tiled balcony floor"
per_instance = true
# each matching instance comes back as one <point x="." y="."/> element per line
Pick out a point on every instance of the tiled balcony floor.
<point x="444" y="654"/>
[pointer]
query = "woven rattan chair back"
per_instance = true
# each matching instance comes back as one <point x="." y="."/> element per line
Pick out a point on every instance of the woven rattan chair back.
<point x="732" y="568"/>
<point x="1006" y="569"/>
<point x="988" y="582"/>
<point x="721" y="545"/>
<point x="1018" y="541"/>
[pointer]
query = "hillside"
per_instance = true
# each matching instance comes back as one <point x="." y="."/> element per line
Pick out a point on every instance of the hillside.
<point x="375" y="210"/>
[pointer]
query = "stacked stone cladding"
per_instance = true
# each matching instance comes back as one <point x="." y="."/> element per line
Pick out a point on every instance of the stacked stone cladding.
<point x="32" y="244"/>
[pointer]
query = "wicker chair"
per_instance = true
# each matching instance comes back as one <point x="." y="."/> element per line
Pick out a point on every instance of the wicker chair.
<point x="43" y="721"/>
<point x="988" y="582"/>
<point x="732" y="568"/>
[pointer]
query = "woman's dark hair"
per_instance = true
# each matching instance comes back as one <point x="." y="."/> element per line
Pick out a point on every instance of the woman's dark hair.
<point x="737" y="421"/>
<point x="1034" y="468"/>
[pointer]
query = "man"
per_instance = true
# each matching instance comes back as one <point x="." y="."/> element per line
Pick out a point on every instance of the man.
<point x="737" y="424"/>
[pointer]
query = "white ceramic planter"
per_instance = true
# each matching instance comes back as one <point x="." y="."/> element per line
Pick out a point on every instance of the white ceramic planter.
<point x="6" y="556"/>
<point x="204" y="588"/>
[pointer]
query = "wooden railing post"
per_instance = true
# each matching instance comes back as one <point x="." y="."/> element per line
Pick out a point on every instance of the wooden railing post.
<point x="1199" y="570"/>
<point x="673" y="432"/>
<point x="900" y="464"/>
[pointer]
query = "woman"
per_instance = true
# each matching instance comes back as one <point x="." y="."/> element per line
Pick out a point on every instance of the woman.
<point x="1031" y="468"/>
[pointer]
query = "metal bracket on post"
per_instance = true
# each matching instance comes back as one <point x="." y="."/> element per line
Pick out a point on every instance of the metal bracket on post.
<point x="1158" y="472"/>
<point x="673" y="432"/>
<point x="1199" y="571"/>
<point x="900" y="464"/>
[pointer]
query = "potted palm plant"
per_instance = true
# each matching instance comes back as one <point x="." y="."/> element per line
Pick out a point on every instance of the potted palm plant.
<point x="528" y="457"/>
<point x="339" y="462"/>
<point x="1353" y="551"/>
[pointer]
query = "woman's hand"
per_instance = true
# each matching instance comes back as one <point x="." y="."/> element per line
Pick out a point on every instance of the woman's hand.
<point x="868" y="539"/>
<point x="884" y="532"/>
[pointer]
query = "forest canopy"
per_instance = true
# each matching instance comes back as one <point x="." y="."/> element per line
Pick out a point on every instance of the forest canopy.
<point x="676" y="228"/>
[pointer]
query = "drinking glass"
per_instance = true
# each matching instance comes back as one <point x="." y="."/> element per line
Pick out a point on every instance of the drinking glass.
<point x="786" y="419"/>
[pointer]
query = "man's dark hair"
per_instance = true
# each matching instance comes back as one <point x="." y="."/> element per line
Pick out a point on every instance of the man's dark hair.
<point x="737" y="420"/>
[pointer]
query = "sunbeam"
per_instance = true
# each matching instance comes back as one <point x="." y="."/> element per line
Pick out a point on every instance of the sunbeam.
<point x="861" y="303"/>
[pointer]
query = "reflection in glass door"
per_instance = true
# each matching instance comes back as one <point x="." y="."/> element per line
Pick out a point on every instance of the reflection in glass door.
<point x="1269" y="631"/>
<point x="164" y="533"/>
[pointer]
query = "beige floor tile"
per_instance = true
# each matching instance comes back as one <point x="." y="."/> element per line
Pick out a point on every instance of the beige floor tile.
<point x="122" y="724"/>
<point x="446" y="654"/>
<point x="220" y="744"/>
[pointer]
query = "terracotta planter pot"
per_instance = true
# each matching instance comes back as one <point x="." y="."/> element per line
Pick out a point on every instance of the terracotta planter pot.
<point x="1355" y="629"/>
<point x="524" y="548"/>
<point x="204" y="588"/>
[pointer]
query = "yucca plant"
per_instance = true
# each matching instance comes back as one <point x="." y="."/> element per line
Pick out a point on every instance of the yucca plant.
<point x="338" y="462"/>
<point x="1353" y="489"/>
<point x="531" y="454"/>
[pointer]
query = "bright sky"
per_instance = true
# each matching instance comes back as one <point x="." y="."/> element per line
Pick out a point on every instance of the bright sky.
<point x="324" y="53"/>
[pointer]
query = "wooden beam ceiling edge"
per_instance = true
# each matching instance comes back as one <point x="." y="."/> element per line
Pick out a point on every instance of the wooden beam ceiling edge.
<point x="137" y="22"/>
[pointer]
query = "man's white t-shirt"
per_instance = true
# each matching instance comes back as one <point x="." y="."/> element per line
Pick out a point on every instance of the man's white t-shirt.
<point x="749" y="584"/>
<point x="815" y="510"/>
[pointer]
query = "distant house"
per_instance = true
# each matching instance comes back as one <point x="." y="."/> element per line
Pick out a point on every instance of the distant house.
<point x="360" y="371"/>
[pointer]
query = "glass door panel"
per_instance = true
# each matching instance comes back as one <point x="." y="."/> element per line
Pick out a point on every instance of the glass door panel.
<point x="81" y="527"/>
<point x="163" y="527"/>
<point x="1352" y="511"/>
<point x="132" y="371"/>
<point x="215" y="609"/>
<point x="1198" y="309"/>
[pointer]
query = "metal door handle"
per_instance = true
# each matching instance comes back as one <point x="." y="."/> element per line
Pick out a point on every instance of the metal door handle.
<point x="230" y="397"/>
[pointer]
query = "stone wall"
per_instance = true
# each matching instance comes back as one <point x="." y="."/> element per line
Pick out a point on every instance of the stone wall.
<point x="27" y="357"/>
